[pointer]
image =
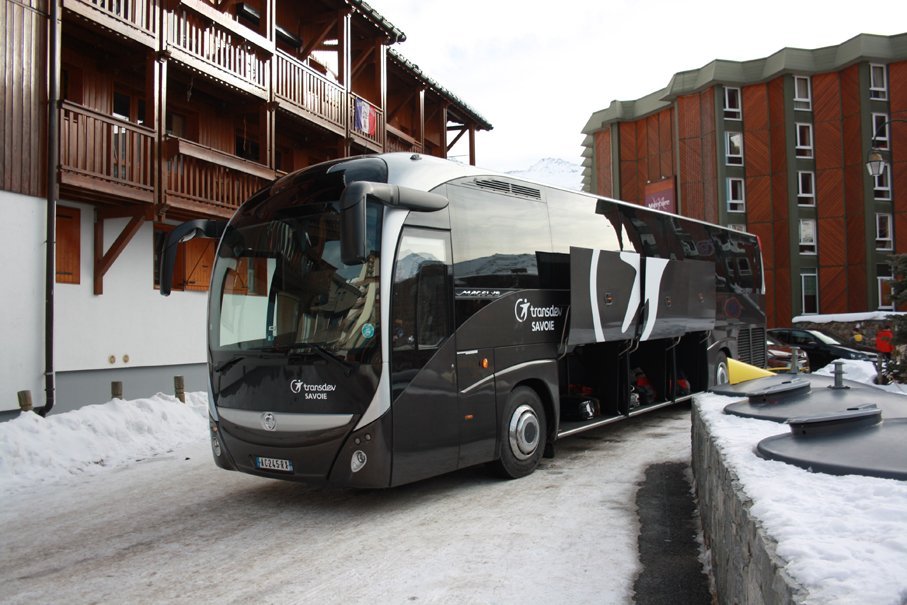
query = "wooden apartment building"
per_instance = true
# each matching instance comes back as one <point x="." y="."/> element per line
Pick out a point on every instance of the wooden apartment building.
<point x="129" y="116"/>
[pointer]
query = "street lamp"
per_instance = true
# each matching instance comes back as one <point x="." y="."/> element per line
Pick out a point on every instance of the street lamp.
<point x="875" y="161"/>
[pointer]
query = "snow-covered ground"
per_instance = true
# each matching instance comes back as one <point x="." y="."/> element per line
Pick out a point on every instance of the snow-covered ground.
<point x="845" y="538"/>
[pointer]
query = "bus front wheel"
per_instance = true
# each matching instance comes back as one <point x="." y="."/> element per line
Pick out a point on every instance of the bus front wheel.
<point x="522" y="433"/>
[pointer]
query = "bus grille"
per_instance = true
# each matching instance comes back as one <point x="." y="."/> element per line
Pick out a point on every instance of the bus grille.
<point x="751" y="346"/>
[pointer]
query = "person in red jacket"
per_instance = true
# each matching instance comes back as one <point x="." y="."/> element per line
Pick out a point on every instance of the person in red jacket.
<point x="883" y="342"/>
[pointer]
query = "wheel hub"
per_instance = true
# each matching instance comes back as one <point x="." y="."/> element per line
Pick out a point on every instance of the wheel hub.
<point x="524" y="432"/>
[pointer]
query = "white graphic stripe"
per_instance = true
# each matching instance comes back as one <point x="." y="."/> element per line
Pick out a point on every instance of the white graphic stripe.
<point x="593" y="298"/>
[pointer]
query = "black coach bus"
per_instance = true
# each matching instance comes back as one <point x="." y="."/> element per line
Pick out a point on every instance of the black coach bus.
<point x="381" y="319"/>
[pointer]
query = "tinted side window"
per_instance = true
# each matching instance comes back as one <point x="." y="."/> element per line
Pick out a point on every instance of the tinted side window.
<point x="496" y="238"/>
<point x="741" y="266"/>
<point x="574" y="222"/>
<point x="421" y="295"/>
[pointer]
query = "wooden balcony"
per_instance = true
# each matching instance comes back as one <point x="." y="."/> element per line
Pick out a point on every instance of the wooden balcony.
<point x="306" y="93"/>
<point x="133" y="19"/>
<point x="105" y="156"/>
<point x="209" y="42"/>
<point x="397" y="140"/>
<point x="199" y="179"/>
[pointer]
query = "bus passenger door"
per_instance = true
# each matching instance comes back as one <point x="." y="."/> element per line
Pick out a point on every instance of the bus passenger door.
<point x="425" y="414"/>
<point x="478" y="415"/>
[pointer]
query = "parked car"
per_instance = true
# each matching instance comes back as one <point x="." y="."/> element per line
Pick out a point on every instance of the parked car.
<point x="821" y="348"/>
<point x="778" y="356"/>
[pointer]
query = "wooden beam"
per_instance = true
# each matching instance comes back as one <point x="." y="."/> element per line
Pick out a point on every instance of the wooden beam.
<point x="360" y="63"/>
<point x="391" y="115"/>
<point x="103" y="261"/>
<point x="317" y="40"/>
<point x="461" y="132"/>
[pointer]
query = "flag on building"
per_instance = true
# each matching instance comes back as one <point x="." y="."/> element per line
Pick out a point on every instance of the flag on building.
<point x="365" y="118"/>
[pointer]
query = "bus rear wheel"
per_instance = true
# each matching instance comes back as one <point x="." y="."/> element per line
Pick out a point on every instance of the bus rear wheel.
<point x="522" y="433"/>
<point x="722" y="374"/>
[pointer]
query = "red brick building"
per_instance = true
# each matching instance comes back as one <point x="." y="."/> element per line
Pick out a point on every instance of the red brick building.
<point x="777" y="147"/>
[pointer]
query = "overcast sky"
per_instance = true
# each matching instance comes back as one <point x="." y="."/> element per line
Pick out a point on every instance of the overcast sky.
<point x="538" y="70"/>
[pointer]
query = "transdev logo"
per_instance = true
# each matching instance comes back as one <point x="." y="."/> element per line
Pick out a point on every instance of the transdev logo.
<point x="543" y="317"/>
<point x="312" y="391"/>
<point x="521" y="309"/>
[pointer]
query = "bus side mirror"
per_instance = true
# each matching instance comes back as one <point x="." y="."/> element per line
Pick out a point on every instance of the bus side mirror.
<point x="352" y="212"/>
<point x="183" y="233"/>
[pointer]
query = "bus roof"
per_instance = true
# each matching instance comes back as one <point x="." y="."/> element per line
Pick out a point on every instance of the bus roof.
<point x="427" y="172"/>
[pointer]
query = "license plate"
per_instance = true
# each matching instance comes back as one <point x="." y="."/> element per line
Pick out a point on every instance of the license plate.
<point x="273" y="464"/>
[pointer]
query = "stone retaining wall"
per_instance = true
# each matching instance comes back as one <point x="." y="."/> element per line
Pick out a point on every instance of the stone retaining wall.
<point x="745" y="566"/>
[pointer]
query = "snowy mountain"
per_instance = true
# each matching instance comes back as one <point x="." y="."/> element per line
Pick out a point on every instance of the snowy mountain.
<point x="553" y="171"/>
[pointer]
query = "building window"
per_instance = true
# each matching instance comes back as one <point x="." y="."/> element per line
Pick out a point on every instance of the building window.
<point x="880" y="130"/>
<point x="806" y="188"/>
<point x="809" y="285"/>
<point x="733" y="145"/>
<point x="803" y="98"/>
<point x="804" y="140"/>
<point x="886" y="302"/>
<point x="884" y="240"/>
<point x="807" y="236"/>
<point x="68" y="245"/>
<point x="736" y="195"/>
<point x="732" y="106"/>
<point x="737" y="227"/>
<point x="881" y="188"/>
<point x="878" y="82"/>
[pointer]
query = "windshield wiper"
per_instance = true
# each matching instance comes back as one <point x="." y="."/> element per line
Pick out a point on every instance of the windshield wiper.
<point x="229" y="363"/>
<point x="308" y="349"/>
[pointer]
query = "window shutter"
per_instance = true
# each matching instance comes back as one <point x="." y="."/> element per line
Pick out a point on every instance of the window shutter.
<point x="68" y="258"/>
<point x="199" y="258"/>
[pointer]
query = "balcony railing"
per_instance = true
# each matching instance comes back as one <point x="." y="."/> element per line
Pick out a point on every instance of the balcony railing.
<point x="397" y="140"/>
<point x="136" y="19"/>
<point x="309" y="93"/>
<point x="106" y="154"/>
<point x="205" y="180"/>
<point x="205" y="40"/>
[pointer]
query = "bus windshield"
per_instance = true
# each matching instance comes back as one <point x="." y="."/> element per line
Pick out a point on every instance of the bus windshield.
<point x="279" y="284"/>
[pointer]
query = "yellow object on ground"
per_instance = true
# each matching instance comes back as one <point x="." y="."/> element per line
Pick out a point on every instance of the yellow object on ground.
<point x="741" y="372"/>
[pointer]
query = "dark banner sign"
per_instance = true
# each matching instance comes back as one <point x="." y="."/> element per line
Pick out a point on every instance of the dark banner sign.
<point x="660" y="195"/>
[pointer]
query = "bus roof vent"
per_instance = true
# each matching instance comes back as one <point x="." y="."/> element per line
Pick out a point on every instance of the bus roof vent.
<point x="512" y="188"/>
<point x="527" y="191"/>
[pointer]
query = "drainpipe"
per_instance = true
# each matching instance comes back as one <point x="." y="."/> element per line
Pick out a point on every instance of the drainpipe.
<point x="53" y="153"/>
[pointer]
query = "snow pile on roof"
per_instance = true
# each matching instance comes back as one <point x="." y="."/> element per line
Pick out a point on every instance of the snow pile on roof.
<point x="844" y="537"/>
<point x="553" y="171"/>
<point x="97" y="437"/>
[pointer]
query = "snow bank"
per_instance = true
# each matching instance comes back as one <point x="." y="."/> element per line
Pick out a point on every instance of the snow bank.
<point x="96" y="437"/>
<point x="844" y="538"/>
